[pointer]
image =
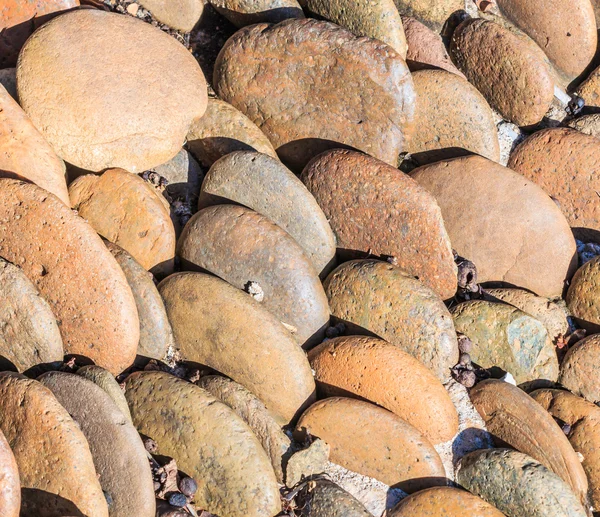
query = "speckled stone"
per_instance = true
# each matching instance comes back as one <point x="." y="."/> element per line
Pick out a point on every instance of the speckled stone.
<point x="108" y="383"/>
<point x="583" y="296"/>
<point x="10" y="484"/>
<point x="580" y="367"/>
<point x="326" y="499"/>
<point x="248" y="12"/>
<point x="179" y="14"/>
<point x="587" y="124"/>
<point x="432" y="13"/>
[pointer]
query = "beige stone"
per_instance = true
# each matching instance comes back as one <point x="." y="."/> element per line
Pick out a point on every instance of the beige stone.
<point x="108" y="383"/>
<point x="579" y="369"/>
<point x="432" y="13"/>
<point x="248" y="12"/>
<point x="179" y="14"/>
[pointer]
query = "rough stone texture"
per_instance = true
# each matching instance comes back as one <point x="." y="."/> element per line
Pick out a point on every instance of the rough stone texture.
<point x="156" y="334"/>
<point x="10" y="485"/>
<point x="24" y="154"/>
<point x="29" y="334"/>
<point x="211" y="444"/>
<point x="8" y="79"/>
<point x="373" y="370"/>
<point x="326" y="499"/>
<point x="311" y="86"/>
<point x="134" y="115"/>
<point x="222" y="327"/>
<point x="583" y="296"/>
<point x="265" y="185"/>
<point x="432" y="13"/>
<point x="222" y="130"/>
<point x="372" y="296"/>
<point x="184" y="175"/>
<point x="521" y="237"/>
<point x="514" y="418"/>
<point x="312" y="460"/>
<point x="588" y="124"/>
<point x="179" y="14"/>
<point x="126" y="210"/>
<point x="248" y="12"/>
<point x="453" y="118"/>
<point x="507" y="67"/>
<point x="108" y="383"/>
<point x="242" y="246"/>
<point x="117" y="449"/>
<point x="74" y="273"/>
<point x="579" y="369"/>
<point x="55" y="464"/>
<point x="589" y="90"/>
<point x="374" y="209"/>
<point x="373" y="441"/>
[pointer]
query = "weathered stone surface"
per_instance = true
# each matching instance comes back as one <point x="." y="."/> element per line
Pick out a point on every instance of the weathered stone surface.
<point x="507" y="67"/>
<point x="134" y="115"/>
<point x="517" y="485"/>
<point x="179" y="14"/>
<point x="377" y="297"/>
<point x="589" y="90"/>
<point x="326" y="499"/>
<point x="371" y="369"/>
<point x="374" y="209"/>
<point x="587" y="124"/>
<point x="265" y="185"/>
<point x="108" y="383"/>
<point x="211" y="444"/>
<point x="55" y="464"/>
<point x="74" y="273"/>
<point x="432" y="13"/>
<point x="222" y="130"/>
<point x="579" y="369"/>
<point x="117" y="449"/>
<point x="311" y="86"/>
<point x="222" y="327"/>
<point x="312" y="460"/>
<point x="10" y="485"/>
<point x="242" y="246"/>
<point x="248" y="12"/>
<point x="583" y="296"/>
<point x="521" y="237"/>
<point x="515" y="418"/>
<point x="8" y="79"/>
<point x="126" y="210"/>
<point x="374" y="442"/>
<point x="184" y="175"/>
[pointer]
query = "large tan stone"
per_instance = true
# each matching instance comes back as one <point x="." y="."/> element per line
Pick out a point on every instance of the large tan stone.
<point x="432" y="13"/>
<point x="579" y="369"/>
<point x="179" y="14"/>
<point x="248" y="12"/>
<point x="10" y="484"/>
<point x="108" y="383"/>
<point x="583" y="296"/>
<point x="326" y="499"/>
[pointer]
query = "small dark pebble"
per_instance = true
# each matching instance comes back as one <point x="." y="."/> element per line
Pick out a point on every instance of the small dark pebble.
<point x="108" y="497"/>
<point x="467" y="378"/>
<point x="157" y="486"/>
<point x="188" y="486"/>
<point x="576" y="104"/>
<point x="464" y="344"/>
<point x="150" y="445"/>
<point x="178" y="500"/>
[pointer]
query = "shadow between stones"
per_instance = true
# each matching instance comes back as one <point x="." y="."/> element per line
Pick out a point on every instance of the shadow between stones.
<point x="297" y="153"/>
<point x="437" y="155"/>
<point x="36" y="502"/>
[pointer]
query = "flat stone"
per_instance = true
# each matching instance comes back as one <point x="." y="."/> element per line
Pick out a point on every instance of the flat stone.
<point x="371" y="369"/>
<point x="134" y="115"/>
<point x="8" y="79"/>
<point x="249" y="12"/>
<point x="10" y="490"/>
<point x="312" y="86"/>
<point x="179" y="14"/>
<point x="264" y="184"/>
<point x="587" y="124"/>
<point x="432" y="13"/>
<point x="326" y="499"/>
<point x="210" y="443"/>
<point x="108" y="383"/>
<point x="374" y="209"/>
<point x="242" y="246"/>
<point x="74" y="273"/>
<point x="582" y="296"/>
<point x="308" y="462"/>
<point x="184" y="176"/>
<point x="579" y="369"/>
<point x="521" y="237"/>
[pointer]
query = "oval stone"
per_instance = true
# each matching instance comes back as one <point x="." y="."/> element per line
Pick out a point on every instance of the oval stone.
<point x="579" y="369"/>
<point x="248" y="12"/>
<point x="108" y="383"/>
<point x="326" y="499"/>
<point x="179" y="14"/>
<point x="589" y="90"/>
<point x="134" y="115"/>
<point x="10" y="484"/>
<point x="374" y="209"/>
<point x="432" y="13"/>
<point x="222" y="327"/>
<point x="375" y="296"/>
<point x="210" y="443"/>
<point x="311" y="86"/>
<point x="583" y="296"/>
<point x="521" y="237"/>
<point x="588" y="124"/>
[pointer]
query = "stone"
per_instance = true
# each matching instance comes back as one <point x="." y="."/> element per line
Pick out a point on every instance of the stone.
<point x="507" y="67"/>
<point x="224" y="328"/>
<point x="307" y="463"/>
<point x="29" y="334"/>
<point x="8" y="79"/>
<point x="242" y="246"/>
<point x="179" y="14"/>
<point x="249" y="12"/>
<point x="326" y="499"/>
<point x="56" y="469"/>
<point x="311" y="86"/>
<point x="514" y="418"/>
<point x="579" y="369"/>
<point x="104" y="379"/>
<point x="184" y="176"/>
<point x="521" y="237"/>
<point x="433" y="13"/>
<point x="211" y="444"/>
<point x="127" y="211"/>
<point x="371" y="369"/>
<point x="10" y="485"/>
<point x="582" y="296"/>
<point x="589" y="90"/>
<point x="374" y="209"/>
<point x="371" y="296"/>
<point x="134" y="115"/>
<point x="117" y="449"/>
<point x="74" y="273"/>
<point x="222" y="130"/>
<point x="587" y="124"/>
<point x="374" y="442"/>
<point x="264" y="184"/>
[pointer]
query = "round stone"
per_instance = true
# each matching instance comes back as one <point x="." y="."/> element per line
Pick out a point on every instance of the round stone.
<point x="326" y="499"/>
<point x="248" y="12"/>
<point x="579" y="369"/>
<point x="108" y="383"/>
<point x="432" y="13"/>
<point x="182" y="15"/>
<point x="589" y="90"/>
<point x="582" y="296"/>
<point x="10" y="490"/>
<point x="588" y="124"/>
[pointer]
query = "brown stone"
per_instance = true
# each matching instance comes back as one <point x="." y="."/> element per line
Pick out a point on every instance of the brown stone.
<point x="135" y="114"/>
<point x="521" y="237"/>
<point x="579" y="369"/>
<point x="108" y="383"/>
<point x="371" y="369"/>
<point x="179" y="14"/>
<point x="588" y="124"/>
<point x="432" y="13"/>
<point x="326" y="499"/>
<point x="248" y="12"/>
<point x="74" y="272"/>
<point x="583" y="296"/>
<point x="10" y="485"/>
<point x="311" y="86"/>
<point x="374" y="209"/>
<point x="311" y="461"/>
<point x="8" y="79"/>
<point x="589" y="90"/>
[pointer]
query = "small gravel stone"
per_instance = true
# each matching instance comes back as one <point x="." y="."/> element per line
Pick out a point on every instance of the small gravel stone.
<point x="178" y="500"/>
<point x="188" y="486"/>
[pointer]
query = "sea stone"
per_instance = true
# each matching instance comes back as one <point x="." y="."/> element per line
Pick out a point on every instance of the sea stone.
<point x="311" y="461"/>
<point x="222" y="327"/>
<point x="210" y="443"/>
<point x="8" y="79"/>
<point x="242" y="246"/>
<point x="222" y="130"/>
<point x="55" y="464"/>
<point x="521" y="237"/>
<point x="326" y="499"/>
<point x="582" y="297"/>
<point x="371" y="369"/>
<point x="74" y="273"/>
<point x="589" y="90"/>
<point x="374" y="209"/>
<point x="588" y="124"/>
<point x="184" y="176"/>
<point x="265" y="185"/>
<point x="126" y="210"/>
<point x="453" y="119"/>
<point x="108" y="383"/>
<point x="579" y="369"/>
<point x="375" y="296"/>
<point x="179" y="14"/>
<point x="248" y="12"/>
<point x="29" y="334"/>
<point x="507" y="67"/>
<point x="134" y="115"/>
<point x="117" y="449"/>
<point x="432" y="13"/>
<point x="311" y="86"/>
